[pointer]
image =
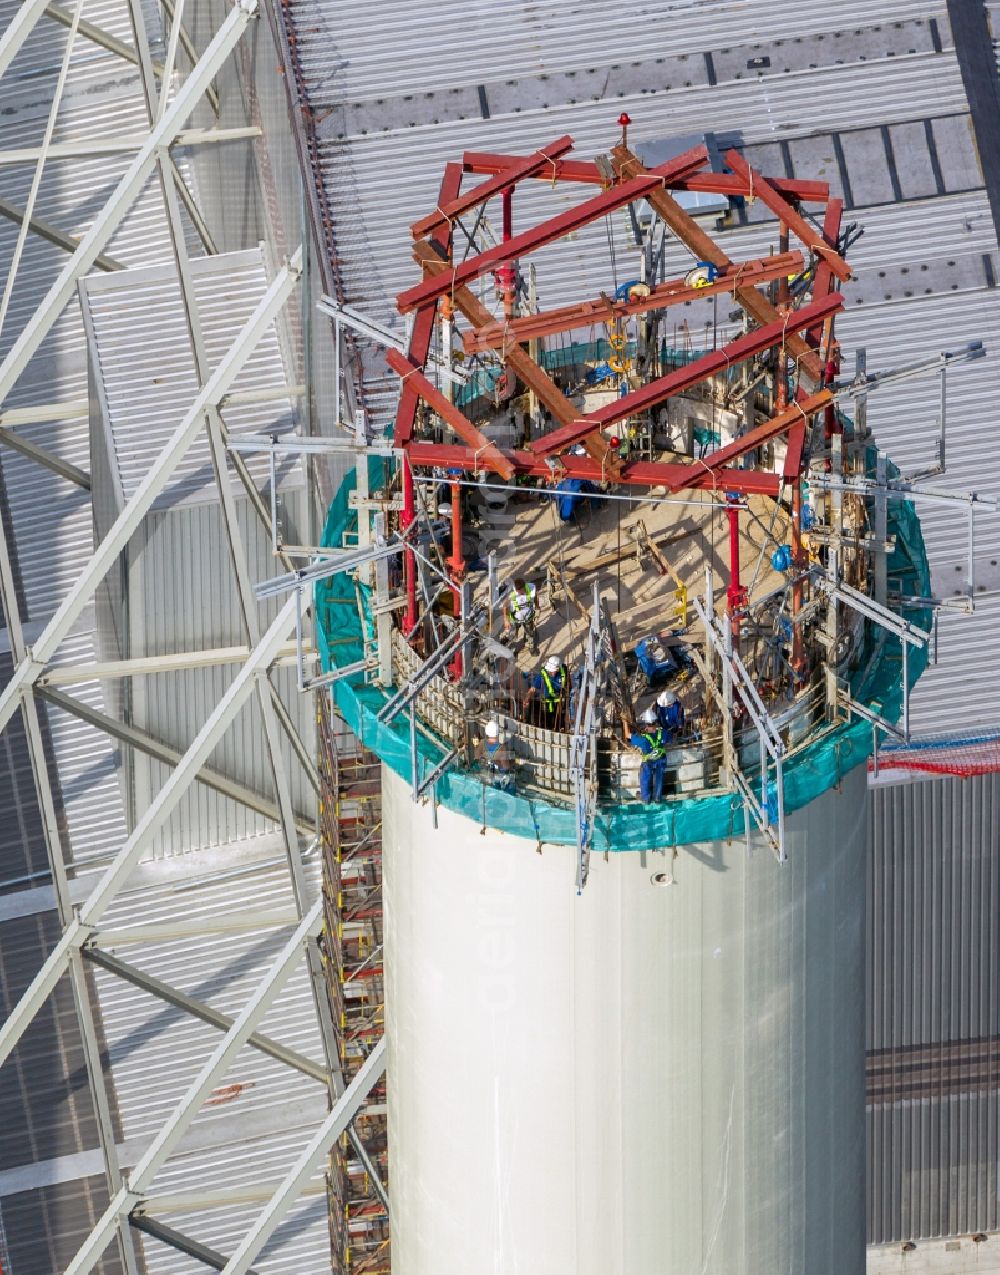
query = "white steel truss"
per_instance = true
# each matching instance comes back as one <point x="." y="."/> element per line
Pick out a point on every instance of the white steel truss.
<point x="84" y="937"/>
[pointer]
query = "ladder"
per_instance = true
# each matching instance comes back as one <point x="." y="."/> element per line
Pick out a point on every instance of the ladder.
<point x="351" y="839"/>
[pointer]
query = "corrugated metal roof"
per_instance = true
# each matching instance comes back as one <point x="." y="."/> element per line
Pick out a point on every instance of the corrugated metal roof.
<point x="183" y="597"/>
<point x="514" y="38"/>
<point x="156" y="1052"/>
<point x="933" y="980"/>
<point x="52" y="518"/>
<point x="155" y="1055"/>
<point x="53" y="537"/>
<point x="37" y="63"/>
<point x="293" y="1246"/>
<point x="145" y="369"/>
<point x="180" y="580"/>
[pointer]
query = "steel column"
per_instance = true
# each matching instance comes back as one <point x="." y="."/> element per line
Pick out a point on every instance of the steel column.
<point x="82" y="926"/>
<point x="791" y="416"/>
<point x="198" y="1009"/>
<point x="94" y="1064"/>
<point x="45" y="230"/>
<point x="308" y="1162"/>
<point x="216" y="1065"/>
<point x="182" y="1243"/>
<point x="141" y="740"/>
<point x="704" y="247"/>
<point x="647" y="396"/>
<point x="783" y="210"/>
<point x="491" y="456"/>
<point x="18" y="29"/>
<point x="497" y="335"/>
<point x="124" y="143"/>
<point x="423" y="325"/>
<point x="635" y="473"/>
<point x="533" y="376"/>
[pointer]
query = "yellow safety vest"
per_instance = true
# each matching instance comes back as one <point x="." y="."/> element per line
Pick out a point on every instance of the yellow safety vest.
<point x="553" y="694"/>
<point x="522" y="605"/>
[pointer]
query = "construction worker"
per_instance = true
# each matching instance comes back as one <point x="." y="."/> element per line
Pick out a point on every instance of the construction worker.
<point x="670" y="713"/>
<point x="520" y="615"/>
<point x="652" y="742"/>
<point x="496" y="757"/>
<point x="552" y="684"/>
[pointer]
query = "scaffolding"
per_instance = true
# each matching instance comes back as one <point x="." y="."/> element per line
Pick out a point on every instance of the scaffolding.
<point x="97" y="904"/>
<point x="351" y="838"/>
<point x="506" y="407"/>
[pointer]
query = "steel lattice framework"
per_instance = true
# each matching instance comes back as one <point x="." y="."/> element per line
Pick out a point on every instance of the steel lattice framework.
<point x="792" y="327"/>
<point x="169" y="102"/>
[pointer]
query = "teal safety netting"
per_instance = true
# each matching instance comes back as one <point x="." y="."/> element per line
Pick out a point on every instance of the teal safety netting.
<point x="876" y="683"/>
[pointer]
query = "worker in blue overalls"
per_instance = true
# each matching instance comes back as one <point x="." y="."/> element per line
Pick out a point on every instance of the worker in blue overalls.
<point x="652" y="742"/>
<point x="670" y="713"/>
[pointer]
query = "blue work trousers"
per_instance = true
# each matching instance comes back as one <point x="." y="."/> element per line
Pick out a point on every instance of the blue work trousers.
<point x="651" y="777"/>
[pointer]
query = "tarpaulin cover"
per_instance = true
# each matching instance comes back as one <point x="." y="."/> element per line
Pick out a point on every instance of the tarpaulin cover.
<point x="877" y="683"/>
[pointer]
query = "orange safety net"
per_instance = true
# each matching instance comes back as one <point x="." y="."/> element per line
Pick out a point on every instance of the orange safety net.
<point x="943" y="755"/>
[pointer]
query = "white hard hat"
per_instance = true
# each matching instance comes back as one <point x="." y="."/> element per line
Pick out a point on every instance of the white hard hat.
<point x="552" y="664"/>
<point x="666" y="698"/>
<point x="649" y="717"/>
<point x="444" y="510"/>
<point x="492" y="730"/>
<point x="578" y="450"/>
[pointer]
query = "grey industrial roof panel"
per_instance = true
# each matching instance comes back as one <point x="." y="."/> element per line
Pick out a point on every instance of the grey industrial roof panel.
<point x="51" y="521"/>
<point x="933" y="1008"/>
<point x="145" y="374"/>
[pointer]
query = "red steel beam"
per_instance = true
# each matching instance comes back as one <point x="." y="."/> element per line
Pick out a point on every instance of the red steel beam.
<point x="535" y="377"/>
<point x="460" y="423"/>
<point x="705" y="248"/>
<point x="793" y="219"/>
<point x="420" y="344"/>
<point x="796" y="446"/>
<point x="789" y="419"/>
<point x="554" y="228"/>
<point x="750" y="482"/>
<point x="638" y="473"/>
<point x="496" y="335"/>
<point x="486" y="163"/>
<point x="423" y="325"/>
<point x="823" y="282"/>
<point x="533" y="166"/>
<point x="683" y="378"/>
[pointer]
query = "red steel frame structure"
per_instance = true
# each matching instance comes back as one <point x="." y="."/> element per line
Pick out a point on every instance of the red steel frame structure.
<point x="795" y="334"/>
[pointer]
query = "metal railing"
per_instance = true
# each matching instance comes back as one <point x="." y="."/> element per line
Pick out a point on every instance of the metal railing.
<point x="541" y="757"/>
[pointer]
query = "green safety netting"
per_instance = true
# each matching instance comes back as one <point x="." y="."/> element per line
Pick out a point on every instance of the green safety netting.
<point x="877" y="683"/>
